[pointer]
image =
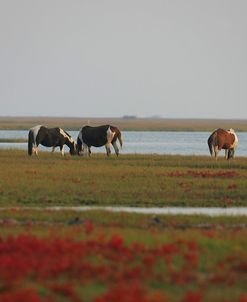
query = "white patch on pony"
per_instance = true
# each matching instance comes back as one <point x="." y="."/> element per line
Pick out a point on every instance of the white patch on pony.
<point x="66" y="135"/>
<point x="235" y="143"/>
<point x="62" y="151"/>
<point x="35" y="131"/>
<point x="109" y="135"/>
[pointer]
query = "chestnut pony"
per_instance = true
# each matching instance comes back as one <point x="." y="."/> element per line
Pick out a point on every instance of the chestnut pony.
<point x="223" y="139"/>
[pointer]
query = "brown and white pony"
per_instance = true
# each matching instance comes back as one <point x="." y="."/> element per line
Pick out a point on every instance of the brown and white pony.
<point x="99" y="136"/>
<point x="223" y="139"/>
<point x="49" y="137"/>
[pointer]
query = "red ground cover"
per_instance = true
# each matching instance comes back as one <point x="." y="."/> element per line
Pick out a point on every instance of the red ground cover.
<point x="62" y="268"/>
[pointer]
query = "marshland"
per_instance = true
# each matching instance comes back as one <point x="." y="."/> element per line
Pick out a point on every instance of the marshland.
<point x="107" y="256"/>
<point x="129" y="180"/>
<point x="163" y="221"/>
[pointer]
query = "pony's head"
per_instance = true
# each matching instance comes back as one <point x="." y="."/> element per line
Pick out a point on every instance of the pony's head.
<point x="79" y="146"/>
<point x="69" y="141"/>
<point x="72" y="148"/>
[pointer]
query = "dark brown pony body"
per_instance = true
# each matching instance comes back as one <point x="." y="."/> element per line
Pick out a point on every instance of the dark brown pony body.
<point x="49" y="137"/>
<point x="99" y="136"/>
<point x="223" y="139"/>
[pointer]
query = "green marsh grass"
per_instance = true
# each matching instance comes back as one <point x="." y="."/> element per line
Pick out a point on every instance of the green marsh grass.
<point x="211" y="257"/>
<point x="129" y="180"/>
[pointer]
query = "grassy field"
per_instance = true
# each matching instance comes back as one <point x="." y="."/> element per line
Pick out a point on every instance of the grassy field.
<point x="129" y="180"/>
<point x="99" y="256"/>
<point x="158" y="124"/>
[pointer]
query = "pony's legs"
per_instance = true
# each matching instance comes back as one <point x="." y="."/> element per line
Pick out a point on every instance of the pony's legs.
<point x="216" y="151"/>
<point x="53" y="149"/>
<point x="85" y="149"/>
<point x="35" y="150"/>
<point x="227" y="154"/>
<point x="115" y="148"/>
<point x="108" y="150"/>
<point x="62" y="150"/>
<point x="230" y="153"/>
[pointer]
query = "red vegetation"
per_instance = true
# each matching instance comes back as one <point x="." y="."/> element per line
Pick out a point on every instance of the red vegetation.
<point x="204" y="174"/>
<point x="54" y="269"/>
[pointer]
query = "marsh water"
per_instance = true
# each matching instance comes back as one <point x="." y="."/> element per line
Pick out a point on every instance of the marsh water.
<point x="206" y="211"/>
<point x="144" y="142"/>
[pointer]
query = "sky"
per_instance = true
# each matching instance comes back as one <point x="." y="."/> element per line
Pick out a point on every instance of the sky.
<point x="110" y="58"/>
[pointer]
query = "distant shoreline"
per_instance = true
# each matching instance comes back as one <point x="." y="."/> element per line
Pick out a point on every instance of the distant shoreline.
<point x="125" y="124"/>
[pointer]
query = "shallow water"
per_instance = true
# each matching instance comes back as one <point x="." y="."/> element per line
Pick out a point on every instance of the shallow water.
<point x="169" y="210"/>
<point x="144" y="142"/>
<point x="206" y="211"/>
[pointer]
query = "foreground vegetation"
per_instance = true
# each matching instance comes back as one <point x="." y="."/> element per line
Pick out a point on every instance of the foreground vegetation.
<point x="99" y="256"/>
<point x="95" y="256"/>
<point x="129" y="180"/>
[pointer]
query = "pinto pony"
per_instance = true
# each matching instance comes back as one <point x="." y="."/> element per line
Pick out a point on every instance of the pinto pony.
<point x="105" y="135"/>
<point x="223" y="139"/>
<point x="49" y="137"/>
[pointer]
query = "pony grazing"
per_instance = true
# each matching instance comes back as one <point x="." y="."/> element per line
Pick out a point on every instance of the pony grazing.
<point x="223" y="139"/>
<point x="49" y="137"/>
<point x="105" y="135"/>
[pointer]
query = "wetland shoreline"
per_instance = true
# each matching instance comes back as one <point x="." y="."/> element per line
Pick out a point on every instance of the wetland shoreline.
<point x="125" y="124"/>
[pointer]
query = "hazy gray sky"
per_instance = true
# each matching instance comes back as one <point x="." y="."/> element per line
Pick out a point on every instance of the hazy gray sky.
<point x="105" y="58"/>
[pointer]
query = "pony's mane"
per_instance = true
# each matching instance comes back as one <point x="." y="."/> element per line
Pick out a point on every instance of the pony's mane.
<point x="231" y="130"/>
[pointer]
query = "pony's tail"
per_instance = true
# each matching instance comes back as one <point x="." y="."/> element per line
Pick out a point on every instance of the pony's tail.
<point x="211" y="142"/>
<point x="30" y="142"/>
<point x="120" y="139"/>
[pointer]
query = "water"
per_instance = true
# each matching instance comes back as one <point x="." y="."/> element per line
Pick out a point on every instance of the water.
<point x="143" y="142"/>
<point x="206" y="211"/>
